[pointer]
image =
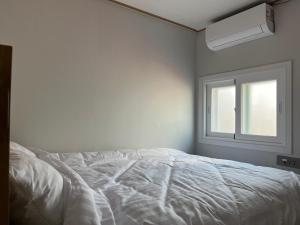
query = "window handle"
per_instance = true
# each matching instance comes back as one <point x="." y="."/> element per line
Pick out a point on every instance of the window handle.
<point x="237" y="109"/>
<point x="280" y="107"/>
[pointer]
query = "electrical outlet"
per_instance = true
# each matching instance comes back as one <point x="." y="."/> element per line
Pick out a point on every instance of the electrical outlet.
<point x="288" y="161"/>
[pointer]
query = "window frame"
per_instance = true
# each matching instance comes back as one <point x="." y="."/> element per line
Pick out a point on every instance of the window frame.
<point x="282" y="73"/>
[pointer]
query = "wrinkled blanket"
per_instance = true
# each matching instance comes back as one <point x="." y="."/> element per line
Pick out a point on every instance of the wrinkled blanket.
<point x="169" y="187"/>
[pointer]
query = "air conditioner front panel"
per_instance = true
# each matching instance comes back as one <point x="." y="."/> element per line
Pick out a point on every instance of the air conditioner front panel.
<point x="247" y="26"/>
<point x="236" y="37"/>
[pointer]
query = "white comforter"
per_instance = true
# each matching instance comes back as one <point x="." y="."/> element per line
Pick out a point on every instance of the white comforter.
<point x="168" y="187"/>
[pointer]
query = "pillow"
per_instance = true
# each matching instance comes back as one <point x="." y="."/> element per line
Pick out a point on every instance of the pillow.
<point x="36" y="190"/>
<point x="14" y="147"/>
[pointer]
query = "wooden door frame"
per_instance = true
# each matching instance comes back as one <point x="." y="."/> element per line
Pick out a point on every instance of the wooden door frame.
<point x="5" y="88"/>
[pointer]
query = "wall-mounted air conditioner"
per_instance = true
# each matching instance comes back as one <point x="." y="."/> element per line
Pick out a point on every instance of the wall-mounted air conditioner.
<point x="249" y="25"/>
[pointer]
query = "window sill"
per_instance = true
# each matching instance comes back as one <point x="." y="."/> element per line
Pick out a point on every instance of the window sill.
<point x="244" y="144"/>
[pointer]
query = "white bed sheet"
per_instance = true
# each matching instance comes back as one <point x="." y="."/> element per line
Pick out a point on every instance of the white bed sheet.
<point x="168" y="187"/>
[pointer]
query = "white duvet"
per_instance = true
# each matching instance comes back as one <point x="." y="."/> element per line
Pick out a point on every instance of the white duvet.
<point x="168" y="187"/>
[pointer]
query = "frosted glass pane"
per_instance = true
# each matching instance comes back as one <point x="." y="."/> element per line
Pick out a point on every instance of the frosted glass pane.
<point x="259" y="108"/>
<point x="222" y="109"/>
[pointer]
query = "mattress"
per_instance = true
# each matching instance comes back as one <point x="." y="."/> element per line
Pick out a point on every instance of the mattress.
<point x="169" y="187"/>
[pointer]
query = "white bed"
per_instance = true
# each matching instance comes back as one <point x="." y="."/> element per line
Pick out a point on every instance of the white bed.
<point x="168" y="187"/>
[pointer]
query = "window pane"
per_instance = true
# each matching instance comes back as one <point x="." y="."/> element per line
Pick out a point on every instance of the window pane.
<point x="222" y="109"/>
<point x="259" y="108"/>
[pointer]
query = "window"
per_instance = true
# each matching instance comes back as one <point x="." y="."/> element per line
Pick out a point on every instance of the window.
<point x="259" y="108"/>
<point x="247" y="108"/>
<point x="220" y="108"/>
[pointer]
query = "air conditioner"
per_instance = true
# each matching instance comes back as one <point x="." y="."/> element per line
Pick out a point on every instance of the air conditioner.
<point x="249" y="25"/>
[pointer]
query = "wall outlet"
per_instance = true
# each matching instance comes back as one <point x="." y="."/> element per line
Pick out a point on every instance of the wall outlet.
<point x="288" y="161"/>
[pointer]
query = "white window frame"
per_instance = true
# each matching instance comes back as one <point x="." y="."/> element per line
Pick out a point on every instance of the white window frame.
<point x="282" y="73"/>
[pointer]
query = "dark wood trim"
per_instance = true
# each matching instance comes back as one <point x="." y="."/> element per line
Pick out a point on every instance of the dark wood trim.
<point x="201" y="30"/>
<point x="5" y="83"/>
<point x="153" y="15"/>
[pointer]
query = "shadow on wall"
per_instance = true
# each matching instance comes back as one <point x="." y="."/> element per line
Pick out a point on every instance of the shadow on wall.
<point x="90" y="75"/>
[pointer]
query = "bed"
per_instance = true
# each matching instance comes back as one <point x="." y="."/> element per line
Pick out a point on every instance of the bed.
<point x="169" y="187"/>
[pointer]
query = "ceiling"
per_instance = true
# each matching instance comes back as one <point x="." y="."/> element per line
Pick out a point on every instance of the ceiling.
<point x="193" y="14"/>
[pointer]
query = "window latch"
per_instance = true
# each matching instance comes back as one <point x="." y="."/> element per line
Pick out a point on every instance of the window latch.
<point x="280" y="107"/>
<point x="208" y="110"/>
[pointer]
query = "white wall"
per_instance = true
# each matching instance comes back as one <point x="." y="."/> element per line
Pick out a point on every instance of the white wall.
<point x="285" y="45"/>
<point x="91" y="75"/>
